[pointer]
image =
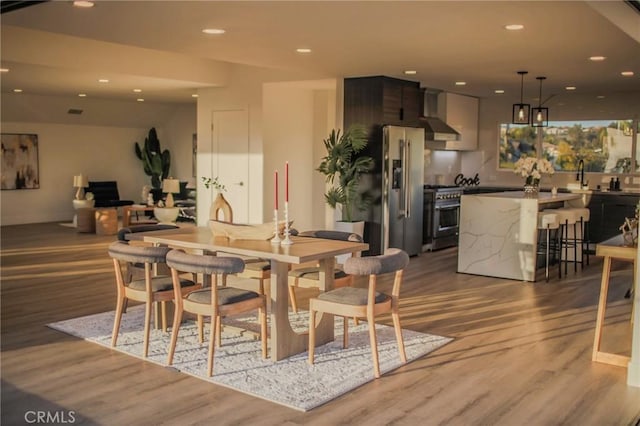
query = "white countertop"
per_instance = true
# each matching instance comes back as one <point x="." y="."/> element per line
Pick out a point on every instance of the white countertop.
<point x="543" y="197"/>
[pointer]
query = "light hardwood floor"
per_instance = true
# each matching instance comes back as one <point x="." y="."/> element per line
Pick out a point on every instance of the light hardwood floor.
<point x="521" y="354"/>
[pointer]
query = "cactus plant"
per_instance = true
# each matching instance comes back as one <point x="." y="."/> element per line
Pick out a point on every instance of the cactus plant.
<point x="156" y="163"/>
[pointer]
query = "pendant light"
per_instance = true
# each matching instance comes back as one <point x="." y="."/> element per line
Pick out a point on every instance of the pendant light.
<point x="521" y="110"/>
<point x="540" y="116"/>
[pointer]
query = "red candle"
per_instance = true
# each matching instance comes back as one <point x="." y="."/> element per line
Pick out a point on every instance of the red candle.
<point x="276" y="197"/>
<point x="286" y="182"/>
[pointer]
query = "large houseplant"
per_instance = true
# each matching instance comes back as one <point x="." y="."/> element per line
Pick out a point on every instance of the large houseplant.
<point x="343" y="167"/>
<point x="156" y="162"/>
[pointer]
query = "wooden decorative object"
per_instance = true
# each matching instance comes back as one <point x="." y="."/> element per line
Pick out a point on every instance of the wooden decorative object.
<point x="106" y="221"/>
<point x="221" y="204"/>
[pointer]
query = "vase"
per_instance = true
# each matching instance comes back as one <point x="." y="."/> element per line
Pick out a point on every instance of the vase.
<point x="531" y="191"/>
<point x="220" y="204"/>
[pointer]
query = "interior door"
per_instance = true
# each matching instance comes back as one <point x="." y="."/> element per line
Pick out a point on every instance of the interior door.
<point x="230" y="133"/>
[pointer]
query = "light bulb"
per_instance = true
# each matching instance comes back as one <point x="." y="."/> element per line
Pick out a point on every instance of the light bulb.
<point x="539" y="116"/>
<point x="521" y="114"/>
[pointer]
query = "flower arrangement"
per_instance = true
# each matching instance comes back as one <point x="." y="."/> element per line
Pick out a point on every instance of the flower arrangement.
<point x="532" y="169"/>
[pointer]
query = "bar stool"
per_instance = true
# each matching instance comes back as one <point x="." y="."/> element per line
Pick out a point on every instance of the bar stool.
<point x="583" y="216"/>
<point x="567" y="217"/>
<point x="546" y="223"/>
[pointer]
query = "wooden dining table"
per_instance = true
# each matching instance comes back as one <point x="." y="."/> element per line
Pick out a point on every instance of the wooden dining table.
<point x="284" y="341"/>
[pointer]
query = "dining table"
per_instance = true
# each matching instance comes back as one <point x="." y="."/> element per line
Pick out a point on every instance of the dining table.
<point x="284" y="341"/>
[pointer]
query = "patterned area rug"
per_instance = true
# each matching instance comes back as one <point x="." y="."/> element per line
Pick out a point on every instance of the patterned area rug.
<point x="238" y="363"/>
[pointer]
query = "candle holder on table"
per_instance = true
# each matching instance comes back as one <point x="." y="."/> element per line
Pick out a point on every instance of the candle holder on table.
<point x="287" y="232"/>
<point x="276" y="235"/>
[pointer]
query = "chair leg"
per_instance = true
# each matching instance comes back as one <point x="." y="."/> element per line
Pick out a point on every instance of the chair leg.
<point x="312" y="334"/>
<point x="200" y="329"/>
<point x="212" y="345"/>
<point x="374" y="345"/>
<point x="120" y="306"/>
<point x="147" y="327"/>
<point x="396" y="326"/>
<point x="575" y="248"/>
<point x="345" y="332"/>
<point x="218" y="324"/>
<point x="175" y="328"/>
<point x="262" y="312"/>
<point x="163" y="311"/>
<point x="546" y="265"/>
<point x="292" y="298"/>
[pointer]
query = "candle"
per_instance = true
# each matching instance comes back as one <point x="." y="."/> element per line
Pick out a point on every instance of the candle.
<point x="286" y="182"/>
<point x="276" y="196"/>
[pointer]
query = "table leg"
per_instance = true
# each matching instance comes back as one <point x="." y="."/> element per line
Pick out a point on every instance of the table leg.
<point x="602" y="305"/>
<point x="284" y="341"/>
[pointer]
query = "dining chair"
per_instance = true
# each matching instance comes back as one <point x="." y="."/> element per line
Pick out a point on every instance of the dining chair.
<point x="309" y="277"/>
<point x="137" y="269"/>
<point x="364" y="302"/>
<point x="150" y="289"/>
<point x="212" y="300"/>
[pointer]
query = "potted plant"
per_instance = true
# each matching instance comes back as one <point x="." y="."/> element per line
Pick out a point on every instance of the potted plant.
<point x="156" y="162"/>
<point x="343" y="168"/>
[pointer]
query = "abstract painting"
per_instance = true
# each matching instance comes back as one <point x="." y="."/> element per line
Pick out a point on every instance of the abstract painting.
<point x="19" y="161"/>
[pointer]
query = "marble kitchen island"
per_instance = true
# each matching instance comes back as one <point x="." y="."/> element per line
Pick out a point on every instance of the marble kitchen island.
<point x="498" y="232"/>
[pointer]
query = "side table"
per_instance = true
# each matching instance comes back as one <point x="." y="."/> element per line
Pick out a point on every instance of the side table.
<point x="106" y="221"/>
<point x="136" y="208"/>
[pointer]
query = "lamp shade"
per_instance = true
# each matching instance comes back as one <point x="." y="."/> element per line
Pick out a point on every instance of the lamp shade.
<point x="80" y="181"/>
<point x="171" y="185"/>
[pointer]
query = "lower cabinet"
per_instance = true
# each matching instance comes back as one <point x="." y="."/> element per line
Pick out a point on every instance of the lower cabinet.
<point x="608" y="212"/>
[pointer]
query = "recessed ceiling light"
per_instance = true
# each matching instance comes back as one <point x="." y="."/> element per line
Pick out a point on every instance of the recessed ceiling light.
<point x="137" y="90"/>
<point x="498" y="91"/>
<point x="461" y="83"/>
<point x="140" y="100"/>
<point x="600" y="97"/>
<point x="303" y="50"/>
<point x="82" y="95"/>
<point x="570" y="88"/>
<point x="214" y="31"/>
<point x="103" y="80"/>
<point x="597" y="58"/>
<point x="17" y="90"/>
<point x="4" y="69"/>
<point x="514" y="27"/>
<point x="83" y="3"/>
<point x="195" y="95"/>
<point x="411" y="72"/>
<point x="627" y="73"/>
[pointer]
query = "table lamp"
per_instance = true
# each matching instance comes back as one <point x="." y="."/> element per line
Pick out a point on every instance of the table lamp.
<point x="170" y="186"/>
<point x="80" y="182"/>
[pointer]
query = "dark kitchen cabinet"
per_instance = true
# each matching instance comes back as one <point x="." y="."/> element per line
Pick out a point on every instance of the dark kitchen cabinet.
<point x="608" y="212"/>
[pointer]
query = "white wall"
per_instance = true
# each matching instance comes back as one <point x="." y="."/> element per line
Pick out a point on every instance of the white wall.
<point x="86" y="144"/>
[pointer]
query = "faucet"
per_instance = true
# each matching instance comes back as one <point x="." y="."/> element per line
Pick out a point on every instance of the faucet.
<point x="580" y="174"/>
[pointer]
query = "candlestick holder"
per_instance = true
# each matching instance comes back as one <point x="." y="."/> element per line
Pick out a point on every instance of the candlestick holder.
<point x="287" y="233"/>
<point x="276" y="237"/>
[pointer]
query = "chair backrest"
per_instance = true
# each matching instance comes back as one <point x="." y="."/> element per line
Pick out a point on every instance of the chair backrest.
<point x="392" y="260"/>
<point x="204" y="264"/>
<point x="143" y="228"/>
<point x="332" y="235"/>
<point x="121" y="250"/>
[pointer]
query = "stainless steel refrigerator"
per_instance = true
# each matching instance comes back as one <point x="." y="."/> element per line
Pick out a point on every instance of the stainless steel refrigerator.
<point x="402" y="188"/>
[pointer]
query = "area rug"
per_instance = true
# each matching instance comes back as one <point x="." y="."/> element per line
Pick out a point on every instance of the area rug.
<point x="238" y="363"/>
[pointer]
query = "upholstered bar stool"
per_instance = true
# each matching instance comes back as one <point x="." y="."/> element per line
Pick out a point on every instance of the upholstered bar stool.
<point x="548" y="222"/>
<point x="583" y="216"/>
<point x="567" y="218"/>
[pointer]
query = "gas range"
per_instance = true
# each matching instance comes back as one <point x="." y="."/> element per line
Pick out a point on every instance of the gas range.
<point x="445" y="192"/>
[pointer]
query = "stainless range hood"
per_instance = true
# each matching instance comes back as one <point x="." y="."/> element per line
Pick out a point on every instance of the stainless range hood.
<point x="435" y="128"/>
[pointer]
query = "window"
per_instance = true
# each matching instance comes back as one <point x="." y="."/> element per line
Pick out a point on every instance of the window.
<point x="605" y="146"/>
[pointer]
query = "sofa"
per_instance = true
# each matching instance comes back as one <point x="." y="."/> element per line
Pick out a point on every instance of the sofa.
<point x="105" y="194"/>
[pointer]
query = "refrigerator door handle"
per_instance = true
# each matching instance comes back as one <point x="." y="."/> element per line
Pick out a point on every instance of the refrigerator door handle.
<point x="407" y="179"/>
<point x="402" y="195"/>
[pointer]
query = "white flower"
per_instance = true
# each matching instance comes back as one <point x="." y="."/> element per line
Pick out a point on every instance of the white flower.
<point x="532" y="169"/>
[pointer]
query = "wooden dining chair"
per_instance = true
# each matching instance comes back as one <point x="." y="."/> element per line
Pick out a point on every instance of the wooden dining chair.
<point x="349" y="302"/>
<point x="150" y="289"/>
<point x="212" y="300"/>
<point x="309" y="276"/>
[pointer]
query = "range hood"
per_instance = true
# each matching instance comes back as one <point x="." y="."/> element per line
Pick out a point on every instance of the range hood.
<point x="434" y="128"/>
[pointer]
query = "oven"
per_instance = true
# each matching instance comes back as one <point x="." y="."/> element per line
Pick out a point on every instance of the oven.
<point x="441" y="218"/>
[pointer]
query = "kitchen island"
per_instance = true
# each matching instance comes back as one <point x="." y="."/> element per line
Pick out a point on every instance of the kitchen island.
<point x="498" y="232"/>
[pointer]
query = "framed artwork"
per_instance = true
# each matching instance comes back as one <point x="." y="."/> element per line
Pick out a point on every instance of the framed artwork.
<point x="19" y="161"/>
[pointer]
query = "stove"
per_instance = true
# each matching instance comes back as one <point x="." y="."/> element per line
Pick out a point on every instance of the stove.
<point x="441" y="216"/>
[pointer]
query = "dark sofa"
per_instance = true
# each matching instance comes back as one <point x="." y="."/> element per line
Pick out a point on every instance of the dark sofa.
<point x="105" y="194"/>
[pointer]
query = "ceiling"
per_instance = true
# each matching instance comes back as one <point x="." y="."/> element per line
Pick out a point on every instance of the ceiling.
<point x="54" y="48"/>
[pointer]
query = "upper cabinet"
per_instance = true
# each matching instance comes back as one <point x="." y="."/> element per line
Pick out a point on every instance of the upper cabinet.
<point x="461" y="113"/>
<point x="381" y="100"/>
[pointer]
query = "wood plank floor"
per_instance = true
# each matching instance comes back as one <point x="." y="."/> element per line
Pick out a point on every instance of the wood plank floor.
<point x="521" y="354"/>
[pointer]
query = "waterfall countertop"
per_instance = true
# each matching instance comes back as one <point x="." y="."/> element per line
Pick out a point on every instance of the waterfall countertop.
<point x="498" y="232"/>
